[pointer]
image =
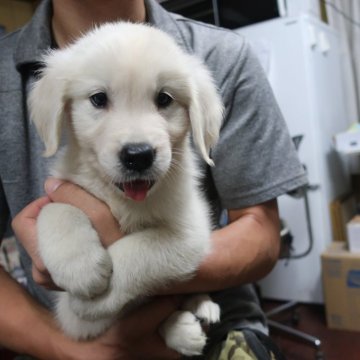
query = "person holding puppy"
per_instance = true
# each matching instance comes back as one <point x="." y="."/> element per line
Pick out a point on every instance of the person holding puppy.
<point x="251" y="170"/>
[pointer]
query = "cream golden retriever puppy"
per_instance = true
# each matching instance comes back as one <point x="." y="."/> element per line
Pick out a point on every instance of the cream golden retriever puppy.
<point x="126" y="98"/>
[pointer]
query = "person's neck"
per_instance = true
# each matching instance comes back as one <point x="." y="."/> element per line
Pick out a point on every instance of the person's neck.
<point x="72" y="18"/>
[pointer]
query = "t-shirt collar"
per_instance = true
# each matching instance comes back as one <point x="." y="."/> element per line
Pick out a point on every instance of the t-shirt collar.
<point x="36" y="37"/>
<point x="163" y="20"/>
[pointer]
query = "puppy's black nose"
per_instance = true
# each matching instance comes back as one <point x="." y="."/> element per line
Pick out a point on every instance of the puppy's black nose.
<point x="137" y="156"/>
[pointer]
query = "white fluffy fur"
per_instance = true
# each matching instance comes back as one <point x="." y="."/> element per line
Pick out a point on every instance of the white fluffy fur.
<point x="167" y="234"/>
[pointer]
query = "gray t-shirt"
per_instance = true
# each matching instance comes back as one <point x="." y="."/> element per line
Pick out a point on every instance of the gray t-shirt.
<point x="255" y="158"/>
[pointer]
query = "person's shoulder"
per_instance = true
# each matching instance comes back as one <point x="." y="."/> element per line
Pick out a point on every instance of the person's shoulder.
<point x="210" y="37"/>
<point x="226" y="53"/>
<point x="223" y="50"/>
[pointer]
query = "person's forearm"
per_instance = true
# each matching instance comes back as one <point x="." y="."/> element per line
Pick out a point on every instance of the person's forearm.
<point x="243" y="252"/>
<point x="25" y="326"/>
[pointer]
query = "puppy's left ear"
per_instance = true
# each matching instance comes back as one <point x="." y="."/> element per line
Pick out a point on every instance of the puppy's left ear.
<point x="47" y="104"/>
<point x="205" y="111"/>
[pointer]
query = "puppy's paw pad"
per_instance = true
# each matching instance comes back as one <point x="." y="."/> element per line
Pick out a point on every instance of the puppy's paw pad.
<point x="203" y="308"/>
<point x="183" y="333"/>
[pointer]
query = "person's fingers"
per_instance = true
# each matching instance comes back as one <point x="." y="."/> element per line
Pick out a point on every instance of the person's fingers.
<point x="147" y="318"/>
<point x="156" y="348"/>
<point x="40" y="277"/>
<point x="24" y="226"/>
<point x="29" y="213"/>
<point x="151" y="316"/>
<point x="138" y="331"/>
<point x="98" y="212"/>
<point x="44" y="279"/>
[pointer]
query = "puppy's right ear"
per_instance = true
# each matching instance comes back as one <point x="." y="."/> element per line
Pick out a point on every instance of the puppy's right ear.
<point x="47" y="104"/>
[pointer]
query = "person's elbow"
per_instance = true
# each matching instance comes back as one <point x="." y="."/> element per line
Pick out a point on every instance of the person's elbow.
<point x="272" y="252"/>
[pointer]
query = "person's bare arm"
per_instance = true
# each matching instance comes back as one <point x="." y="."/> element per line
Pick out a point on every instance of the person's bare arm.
<point x="25" y="326"/>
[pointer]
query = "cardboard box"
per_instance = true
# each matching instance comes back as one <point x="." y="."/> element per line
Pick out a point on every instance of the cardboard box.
<point x="353" y="234"/>
<point x="342" y="210"/>
<point x="341" y="283"/>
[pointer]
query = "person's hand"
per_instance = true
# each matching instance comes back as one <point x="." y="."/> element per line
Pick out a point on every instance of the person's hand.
<point x="24" y="223"/>
<point x="24" y="226"/>
<point x="133" y="337"/>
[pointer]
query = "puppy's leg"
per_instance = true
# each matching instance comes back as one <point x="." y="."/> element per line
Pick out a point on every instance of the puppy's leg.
<point x="142" y="262"/>
<point x="182" y="331"/>
<point x="203" y="308"/>
<point x="74" y="326"/>
<point x="72" y="252"/>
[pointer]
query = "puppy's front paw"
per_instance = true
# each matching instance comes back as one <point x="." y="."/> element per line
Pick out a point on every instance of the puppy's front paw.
<point x="203" y="308"/>
<point x="183" y="333"/>
<point x="72" y="251"/>
<point x="86" y="276"/>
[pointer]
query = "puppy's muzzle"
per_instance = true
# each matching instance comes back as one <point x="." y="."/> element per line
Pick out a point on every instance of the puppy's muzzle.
<point x="137" y="157"/>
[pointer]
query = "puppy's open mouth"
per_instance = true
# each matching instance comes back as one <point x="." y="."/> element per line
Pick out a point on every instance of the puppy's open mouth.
<point x="137" y="189"/>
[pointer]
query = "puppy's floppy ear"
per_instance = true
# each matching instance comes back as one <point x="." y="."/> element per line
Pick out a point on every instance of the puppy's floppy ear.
<point x="205" y="111"/>
<point x="47" y="103"/>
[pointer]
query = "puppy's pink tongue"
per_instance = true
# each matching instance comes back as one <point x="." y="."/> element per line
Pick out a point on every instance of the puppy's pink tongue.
<point x="136" y="190"/>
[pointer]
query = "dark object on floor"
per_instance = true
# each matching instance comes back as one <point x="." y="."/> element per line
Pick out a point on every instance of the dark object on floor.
<point x="336" y="344"/>
<point x="291" y="331"/>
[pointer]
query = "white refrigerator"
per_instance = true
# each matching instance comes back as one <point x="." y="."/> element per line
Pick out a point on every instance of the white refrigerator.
<point x="302" y="59"/>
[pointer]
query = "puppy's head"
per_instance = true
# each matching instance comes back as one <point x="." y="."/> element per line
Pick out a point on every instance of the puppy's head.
<point x="129" y="95"/>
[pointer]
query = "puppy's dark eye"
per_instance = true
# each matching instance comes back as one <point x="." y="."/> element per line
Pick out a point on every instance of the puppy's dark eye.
<point x="99" y="100"/>
<point x="163" y="99"/>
